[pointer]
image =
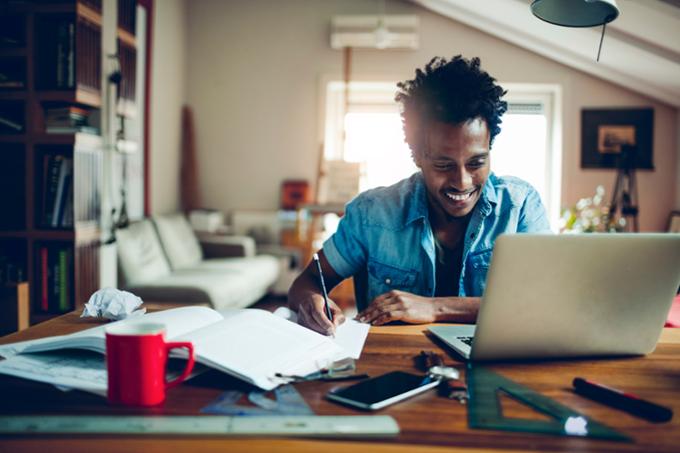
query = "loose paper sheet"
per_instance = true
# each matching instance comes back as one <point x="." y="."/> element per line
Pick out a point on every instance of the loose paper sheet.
<point x="350" y="335"/>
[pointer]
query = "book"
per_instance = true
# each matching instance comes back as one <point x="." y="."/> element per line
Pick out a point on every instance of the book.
<point x="52" y="167"/>
<point x="64" y="180"/>
<point x="250" y="344"/>
<point x="54" y="281"/>
<point x="67" y="212"/>
<point x="44" y="273"/>
<point x="64" y="303"/>
<point x="66" y="117"/>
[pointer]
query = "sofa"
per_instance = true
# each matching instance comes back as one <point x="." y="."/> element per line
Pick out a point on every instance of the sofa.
<point x="161" y="260"/>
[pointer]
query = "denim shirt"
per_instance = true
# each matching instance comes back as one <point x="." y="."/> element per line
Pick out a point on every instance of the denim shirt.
<point x="387" y="232"/>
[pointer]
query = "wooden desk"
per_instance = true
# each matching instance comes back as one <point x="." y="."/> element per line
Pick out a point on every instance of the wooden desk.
<point x="428" y="422"/>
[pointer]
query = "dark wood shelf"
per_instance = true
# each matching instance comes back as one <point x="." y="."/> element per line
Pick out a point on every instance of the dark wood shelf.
<point x="42" y="317"/>
<point x="52" y="235"/>
<point x="12" y="95"/>
<point x="13" y="234"/>
<point x="81" y="95"/>
<point x="40" y="234"/>
<point x="12" y="138"/>
<point x="83" y="138"/>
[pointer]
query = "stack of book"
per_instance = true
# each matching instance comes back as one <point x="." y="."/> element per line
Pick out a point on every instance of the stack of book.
<point x="57" y="209"/>
<point x="67" y="120"/>
<point x="56" y="264"/>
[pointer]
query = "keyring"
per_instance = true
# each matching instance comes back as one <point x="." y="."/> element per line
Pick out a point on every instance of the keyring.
<point x="442" y="372"/>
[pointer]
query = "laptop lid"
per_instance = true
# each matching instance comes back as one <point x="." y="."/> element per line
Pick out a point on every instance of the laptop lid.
<point x="553" y="296"/>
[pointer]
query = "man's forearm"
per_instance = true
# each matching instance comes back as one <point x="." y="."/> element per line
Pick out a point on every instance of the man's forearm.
<point x="457" y="309"/>
<point x="302" y="288"/>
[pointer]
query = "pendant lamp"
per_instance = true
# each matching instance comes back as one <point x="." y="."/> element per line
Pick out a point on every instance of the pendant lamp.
<point x="577" y="13"/>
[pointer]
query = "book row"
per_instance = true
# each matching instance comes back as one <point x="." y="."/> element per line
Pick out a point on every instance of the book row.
<point x="57" y="206"/>
<point x="55" y="274"/>
<point x="66" y="53"/>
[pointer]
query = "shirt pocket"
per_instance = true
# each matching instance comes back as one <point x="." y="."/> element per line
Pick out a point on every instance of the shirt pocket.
<point x="384" y="277"/>
<point x="477" y="269"/>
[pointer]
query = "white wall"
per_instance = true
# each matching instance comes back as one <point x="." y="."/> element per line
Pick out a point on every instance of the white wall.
<point x="168" y="94"/>
<point x="253" y="82"/>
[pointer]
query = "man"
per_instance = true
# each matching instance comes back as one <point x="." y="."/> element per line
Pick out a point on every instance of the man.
<point x="420" y="250"/>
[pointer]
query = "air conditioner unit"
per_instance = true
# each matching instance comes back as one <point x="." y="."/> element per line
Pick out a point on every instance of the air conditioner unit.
<point x="375" y="32"/>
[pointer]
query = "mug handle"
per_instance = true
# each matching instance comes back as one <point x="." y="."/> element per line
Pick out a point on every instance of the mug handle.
<point x="190" y="362"/>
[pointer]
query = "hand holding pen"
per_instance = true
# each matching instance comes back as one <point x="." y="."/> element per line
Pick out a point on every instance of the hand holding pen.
<point x="308" y="296"/>
<point x="327" y="308"/>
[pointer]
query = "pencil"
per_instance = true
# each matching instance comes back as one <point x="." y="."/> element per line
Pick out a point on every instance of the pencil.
<point x="329" y="314"/>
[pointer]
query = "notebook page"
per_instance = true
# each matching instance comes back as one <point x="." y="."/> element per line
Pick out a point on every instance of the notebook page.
<point x="178" y="321"/>
<point x="350" y="335"/>
<point x="255" y="345"/>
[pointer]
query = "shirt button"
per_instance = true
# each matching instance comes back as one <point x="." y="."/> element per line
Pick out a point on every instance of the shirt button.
<point x="388" y="281"/>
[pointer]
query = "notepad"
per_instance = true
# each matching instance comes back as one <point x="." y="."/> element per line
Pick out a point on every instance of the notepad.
<point x="350" y="335"/>
<point x="252" y="345"/>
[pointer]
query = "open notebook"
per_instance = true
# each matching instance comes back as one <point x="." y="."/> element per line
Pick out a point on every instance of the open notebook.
<point x="252" y="345"/>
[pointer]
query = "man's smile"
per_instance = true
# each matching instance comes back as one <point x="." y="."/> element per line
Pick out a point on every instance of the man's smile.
<point x="460" y="196"/>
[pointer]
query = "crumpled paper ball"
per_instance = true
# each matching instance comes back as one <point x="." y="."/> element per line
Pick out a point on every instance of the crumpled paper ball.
<point x="114" y="304"/>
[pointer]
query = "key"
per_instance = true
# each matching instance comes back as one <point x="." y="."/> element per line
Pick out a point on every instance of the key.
<point x="454" y="389"/>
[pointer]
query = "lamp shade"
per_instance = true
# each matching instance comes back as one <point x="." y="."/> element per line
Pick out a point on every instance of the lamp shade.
<point x="575" y="13"/>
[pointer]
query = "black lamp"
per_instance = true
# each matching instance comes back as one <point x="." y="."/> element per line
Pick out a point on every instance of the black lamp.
<point x="577" y="13"/>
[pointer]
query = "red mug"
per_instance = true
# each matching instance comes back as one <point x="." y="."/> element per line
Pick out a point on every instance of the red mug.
<point x="136" y="355"/>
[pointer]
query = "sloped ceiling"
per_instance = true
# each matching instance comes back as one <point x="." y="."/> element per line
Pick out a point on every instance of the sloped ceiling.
<point x="641" y="49"/>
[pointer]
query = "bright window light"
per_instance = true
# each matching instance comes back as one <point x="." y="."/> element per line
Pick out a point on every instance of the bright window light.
<point x="377" y="140"/>
<point x="527" y="147"/>
<point x="519" y="150"/>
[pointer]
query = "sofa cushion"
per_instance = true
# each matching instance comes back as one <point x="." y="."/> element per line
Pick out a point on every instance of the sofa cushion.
<point x="223" y="283"/>
<point x="140" y="253"/>
<point x="178" y="240"/>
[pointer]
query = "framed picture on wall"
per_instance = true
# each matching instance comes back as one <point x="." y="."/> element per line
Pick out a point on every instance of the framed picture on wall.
<point x="606" y="133"/>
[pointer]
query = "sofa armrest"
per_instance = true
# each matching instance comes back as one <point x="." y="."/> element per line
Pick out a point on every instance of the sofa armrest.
<point x="220" y="246"/>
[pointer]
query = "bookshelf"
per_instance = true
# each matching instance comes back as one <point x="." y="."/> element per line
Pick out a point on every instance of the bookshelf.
<point x="51" y="153"/>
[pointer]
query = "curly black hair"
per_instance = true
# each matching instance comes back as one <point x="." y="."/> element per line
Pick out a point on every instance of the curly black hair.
<point x="452" y="92"/>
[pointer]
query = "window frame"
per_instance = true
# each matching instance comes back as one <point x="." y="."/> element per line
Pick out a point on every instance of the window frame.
<point x="549" y="95"/>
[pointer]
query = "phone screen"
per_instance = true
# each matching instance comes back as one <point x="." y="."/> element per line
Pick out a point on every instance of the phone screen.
<point x="387" y="388"/>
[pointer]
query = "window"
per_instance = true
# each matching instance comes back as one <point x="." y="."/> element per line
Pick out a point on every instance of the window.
<point x="373" y="132"/>
<point x="527" y="147"/>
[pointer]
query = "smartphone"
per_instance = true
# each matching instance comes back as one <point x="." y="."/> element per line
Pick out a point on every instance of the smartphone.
<point x="383" y="390"/>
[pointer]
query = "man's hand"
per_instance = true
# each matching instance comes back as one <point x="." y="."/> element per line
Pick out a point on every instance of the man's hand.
<point x="399" y="306"/>
<point x="312" y="314"/>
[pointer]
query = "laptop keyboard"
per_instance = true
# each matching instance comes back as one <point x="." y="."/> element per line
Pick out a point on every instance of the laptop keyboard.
<point x="466" y="340"/>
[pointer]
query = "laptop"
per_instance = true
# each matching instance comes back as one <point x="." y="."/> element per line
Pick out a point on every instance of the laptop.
<point x="558" y="296"/>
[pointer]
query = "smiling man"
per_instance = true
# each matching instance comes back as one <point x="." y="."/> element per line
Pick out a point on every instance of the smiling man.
<point x="419" y="250"/>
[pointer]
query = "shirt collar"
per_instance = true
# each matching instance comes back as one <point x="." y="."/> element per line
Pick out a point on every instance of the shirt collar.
<point x="417" y="206"/>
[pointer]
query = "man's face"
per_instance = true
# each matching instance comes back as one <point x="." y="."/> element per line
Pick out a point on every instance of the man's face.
<point x="455" y="165"/>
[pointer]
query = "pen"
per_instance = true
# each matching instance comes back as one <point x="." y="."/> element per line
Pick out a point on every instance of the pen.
<point x="329" y="315"/>
<point x="622" y="400"/>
